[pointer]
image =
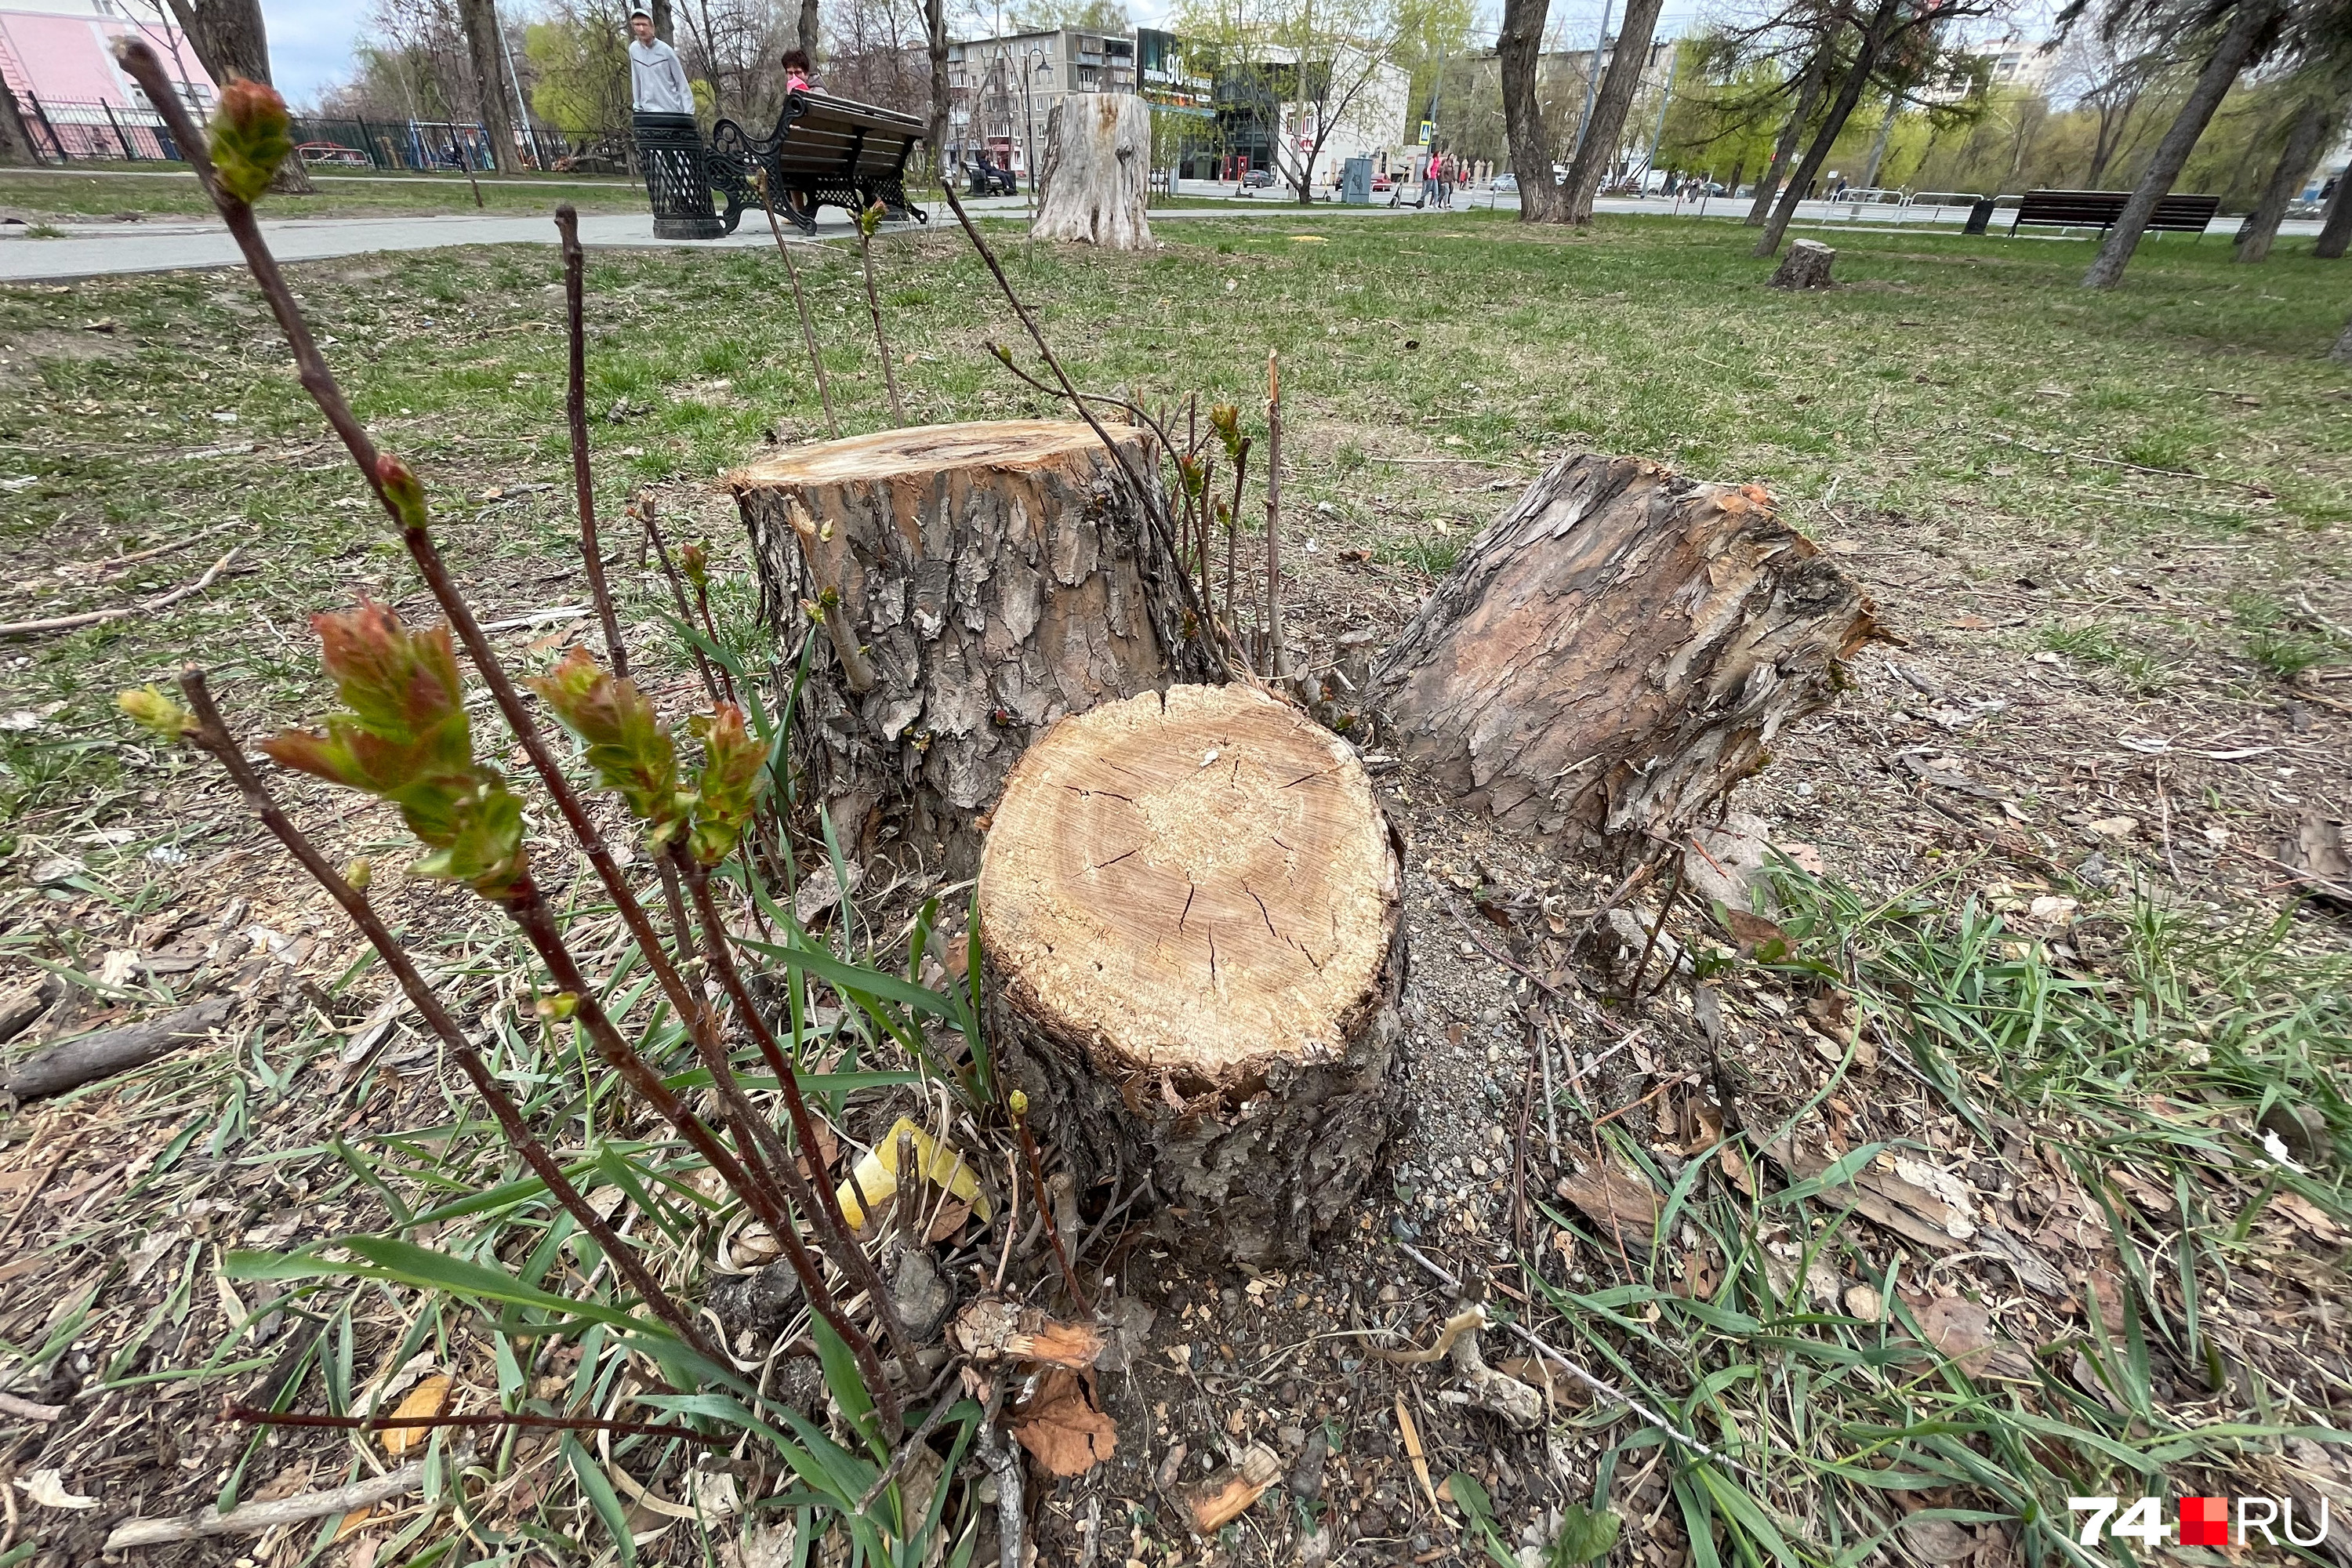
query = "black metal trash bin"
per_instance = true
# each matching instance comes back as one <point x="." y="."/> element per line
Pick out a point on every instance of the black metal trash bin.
<point x="1979" y="215"/>
<point x="677" y="177"/>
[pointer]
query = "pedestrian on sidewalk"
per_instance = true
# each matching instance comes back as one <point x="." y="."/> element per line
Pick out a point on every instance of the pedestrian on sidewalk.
<point x="657" y="83"/>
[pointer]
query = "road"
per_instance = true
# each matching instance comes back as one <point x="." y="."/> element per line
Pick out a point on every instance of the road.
<point x="111" y="250"/>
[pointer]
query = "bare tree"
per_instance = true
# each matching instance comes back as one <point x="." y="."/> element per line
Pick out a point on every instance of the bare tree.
<point x="1627" y="61"/>
<point x="1885" y="19"/>
<point x="231" y="41"/>
<point x="1519" y="49"/>
<point x="1808" y="97"/>
<point x="2250" y="27"/>
<point x="2317" y="117"/>
<point x="486" y="51"/>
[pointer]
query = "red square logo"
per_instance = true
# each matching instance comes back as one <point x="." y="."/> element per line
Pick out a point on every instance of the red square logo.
<point x="2204" y="1522"/>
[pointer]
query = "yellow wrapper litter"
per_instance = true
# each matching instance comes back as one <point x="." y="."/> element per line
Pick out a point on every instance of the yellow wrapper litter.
<point x="874" y="1178"/>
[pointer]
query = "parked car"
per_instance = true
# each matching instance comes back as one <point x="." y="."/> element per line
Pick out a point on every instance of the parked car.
<point x="1382" y="182"/>
<point x="335" y="152"/>
<point x="1258" y="178"/>
<point x="1506" y="180"/>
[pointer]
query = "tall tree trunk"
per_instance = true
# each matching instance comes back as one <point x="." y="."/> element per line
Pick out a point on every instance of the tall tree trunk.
<point x="2232" y="54"/>
<point x="935" y="28"/>
<point x="1857" y="77"/>
<point x="2315" y="125"/>
<point x="1809" y="92"/>
<point x="808" y="35"/>
<point x="1519" y="48"/>
<point x="1878" y="148"/>
<point x="665" y="22"/>
<point x="480" y="20"/>
<point x="230" y="41"/>
<point x="1608" y="123"/>
<point x="2336" y="222"/>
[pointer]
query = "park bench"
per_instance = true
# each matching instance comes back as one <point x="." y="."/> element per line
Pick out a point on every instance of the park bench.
<point x="824" y="150"/>
<point x="2100" y="209"/>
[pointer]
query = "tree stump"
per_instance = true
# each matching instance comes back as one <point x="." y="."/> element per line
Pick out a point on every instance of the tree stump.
<point x="1189" y="910"/>
<point x="1617" y="651"/>
<point x="975" y="583"/>
<point x="1093" y="180"/>
<point x="1807" y="265"/>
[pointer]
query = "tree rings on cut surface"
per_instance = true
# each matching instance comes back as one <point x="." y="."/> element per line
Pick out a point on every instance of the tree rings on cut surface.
<point x="1189" y="904"/>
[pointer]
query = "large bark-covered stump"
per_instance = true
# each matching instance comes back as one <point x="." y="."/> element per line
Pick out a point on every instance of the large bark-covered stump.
<point x="1617" y="651"/>
<point x="1188" y="908"/>
<point x="1093" y="180"/>
<point x="975" y="583"/>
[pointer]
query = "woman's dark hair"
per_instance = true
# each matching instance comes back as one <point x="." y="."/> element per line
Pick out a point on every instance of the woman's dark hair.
<point x="797" y="61"/>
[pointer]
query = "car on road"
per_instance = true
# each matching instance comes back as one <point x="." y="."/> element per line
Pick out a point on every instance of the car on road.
<point x="1258" y="179"/>
<point x="1506" y="181"/>
<point x="316" y="153"/>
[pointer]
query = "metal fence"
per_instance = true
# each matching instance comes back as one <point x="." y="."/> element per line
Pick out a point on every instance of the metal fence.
<point x="66" y="131"/>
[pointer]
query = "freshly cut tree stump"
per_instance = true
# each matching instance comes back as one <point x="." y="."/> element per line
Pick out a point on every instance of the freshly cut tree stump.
<point x="1807" y="265"/>
<point x="976" y="583"/>
<point x="1617" y="651"/>
<point x="1094" y="180"/>
<point x="1189" y="910"/>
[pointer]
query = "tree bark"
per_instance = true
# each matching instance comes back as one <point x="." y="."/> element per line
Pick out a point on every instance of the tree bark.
<point x="1873" y="39"/>
<point x="2336" y="222"/>
<point x="15" y="137"/>
<point x="807" y="34"/>
<point x="484" y="52"/>
<point x="665" y="21"/>
<point x="231" y="41"/>
<point x="2316" y="122"/>
<point x="1807" y="265"/>
<point x="1519" y="48"/>
<point x="2235" y="50"/>
<point x="1809" y="92"/>
<point x="1616" y="653"/>
<point x="935" y="35"/>
<point x="1189" y="911"/>
<point x="1626" y="63"/>
<point x="102" y="1054"/>
<point x="1094" y="180"/>
<point x="977" y="582"/>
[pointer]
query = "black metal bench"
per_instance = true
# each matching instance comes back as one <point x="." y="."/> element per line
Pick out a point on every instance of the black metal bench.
<point x="824" y="151"/>
<point x="2100" y="209"/>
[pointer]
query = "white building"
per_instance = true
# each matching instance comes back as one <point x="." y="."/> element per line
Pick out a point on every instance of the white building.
<point x="1275" y="112"/>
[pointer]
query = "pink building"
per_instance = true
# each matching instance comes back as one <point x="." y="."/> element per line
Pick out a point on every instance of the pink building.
<point x="59" y="62"/>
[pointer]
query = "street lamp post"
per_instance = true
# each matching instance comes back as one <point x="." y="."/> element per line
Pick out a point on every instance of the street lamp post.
<point x="1035" y="60"/>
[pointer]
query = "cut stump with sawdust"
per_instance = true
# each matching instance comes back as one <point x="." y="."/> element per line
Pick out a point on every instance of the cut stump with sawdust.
<point x="1189" y="910"/>
<point x="1617" y="652"/>
<point x="974" y="584"/>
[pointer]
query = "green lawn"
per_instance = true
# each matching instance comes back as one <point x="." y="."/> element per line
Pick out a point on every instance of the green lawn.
<point x="2110" y="529"/>
<point x="105" y="191"/>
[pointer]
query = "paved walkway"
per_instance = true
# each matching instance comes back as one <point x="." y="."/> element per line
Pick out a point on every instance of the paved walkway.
<point x="108" y="249"/>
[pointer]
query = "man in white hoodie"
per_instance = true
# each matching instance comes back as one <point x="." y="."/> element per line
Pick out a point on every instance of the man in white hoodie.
<point x="669" y="143"/>
<point x="657" y="83"/>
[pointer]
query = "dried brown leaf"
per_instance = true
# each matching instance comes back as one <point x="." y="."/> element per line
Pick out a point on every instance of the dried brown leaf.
<point x="1062" y="1425"/>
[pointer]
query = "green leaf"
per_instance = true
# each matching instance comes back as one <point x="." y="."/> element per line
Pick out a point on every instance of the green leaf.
<point x="1469" y="1496"/>
<point x="848" y="1384"/>
<point x="1584" y="1536"/>
<point x="1840" y="1173"/>
<point x="598" y="1488"/>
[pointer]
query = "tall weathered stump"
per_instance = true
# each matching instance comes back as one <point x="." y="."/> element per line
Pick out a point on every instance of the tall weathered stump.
<point x="972" y="585"/>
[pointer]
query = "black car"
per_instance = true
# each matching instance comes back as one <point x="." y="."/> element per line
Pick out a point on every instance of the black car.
<point x="988" y="180"/>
